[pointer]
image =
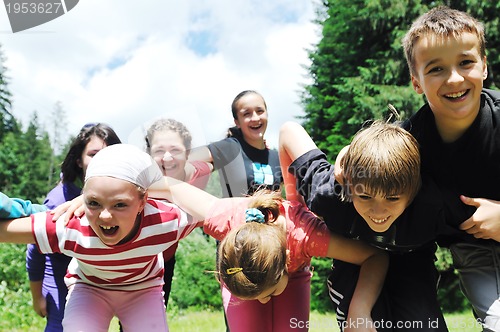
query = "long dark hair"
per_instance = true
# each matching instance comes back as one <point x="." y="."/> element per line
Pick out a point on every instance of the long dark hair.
<point x="69" y="168"/>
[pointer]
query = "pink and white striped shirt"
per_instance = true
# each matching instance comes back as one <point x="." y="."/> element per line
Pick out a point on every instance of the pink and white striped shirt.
<point x="137" y="264"/>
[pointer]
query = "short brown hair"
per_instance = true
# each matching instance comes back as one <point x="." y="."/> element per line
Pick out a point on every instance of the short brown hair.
<point x="442" y="22"/>
<point x="384" y="159"/>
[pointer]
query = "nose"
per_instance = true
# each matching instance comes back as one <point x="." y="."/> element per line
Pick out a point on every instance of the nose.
<point x="105" y="214"/>
<point x="378" y="209"/>
<point x="455" y="76"/>
<point x="167" y="156"/>
<point x="255" y="116"/>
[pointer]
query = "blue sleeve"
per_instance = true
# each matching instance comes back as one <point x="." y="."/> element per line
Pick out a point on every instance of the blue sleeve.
<point x="16" y="208"/>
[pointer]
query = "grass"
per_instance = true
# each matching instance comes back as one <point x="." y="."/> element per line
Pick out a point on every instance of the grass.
<point x="189" y="321"/>
<point x="213" y="321"/>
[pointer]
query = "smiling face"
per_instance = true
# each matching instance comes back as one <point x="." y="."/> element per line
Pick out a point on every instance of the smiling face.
<point x="112" y="207"/>
<point x="169" y="152"/>
<point x="251" y="118"/>
<point x="450" y="72"/>
<point x="379" y="211"/>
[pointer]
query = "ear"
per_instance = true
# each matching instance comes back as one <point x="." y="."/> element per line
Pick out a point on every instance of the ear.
<point x="485" y="68"/>
<point x="143" y="202"/>
<point x="416" y="85"/>
<point x="237" y="123"/>
<point x="79" y="162"/>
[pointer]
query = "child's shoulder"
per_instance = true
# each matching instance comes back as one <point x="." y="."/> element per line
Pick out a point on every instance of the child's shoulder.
<point x="494" y="95"/>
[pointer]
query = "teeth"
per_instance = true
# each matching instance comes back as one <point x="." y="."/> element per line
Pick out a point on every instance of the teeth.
<point x="106" y="227"/>
<point x="379" y="221"/>
<point x="456" y="94"/>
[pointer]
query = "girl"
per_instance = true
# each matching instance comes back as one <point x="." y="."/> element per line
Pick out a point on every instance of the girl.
<point x="46" y="272"/>
<point x="117" y="244"/>
<point x="264" y="257"/>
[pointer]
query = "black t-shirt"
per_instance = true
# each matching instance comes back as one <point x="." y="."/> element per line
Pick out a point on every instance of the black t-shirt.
<point x="419" y="225"/>
<point x="243" y="168"/>
<point x="470" y="165"/>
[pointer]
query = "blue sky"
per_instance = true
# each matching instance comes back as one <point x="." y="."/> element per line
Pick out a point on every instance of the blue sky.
<point x="128" y="63"/>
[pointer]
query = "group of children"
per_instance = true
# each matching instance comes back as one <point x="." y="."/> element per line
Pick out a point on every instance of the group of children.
<point x="395" y="191"/>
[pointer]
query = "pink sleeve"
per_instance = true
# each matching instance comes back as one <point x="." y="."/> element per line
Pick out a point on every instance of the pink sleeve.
<point x="201" y="174"/>
<point x="308" y="236"/>
<point x="226" y="214"/>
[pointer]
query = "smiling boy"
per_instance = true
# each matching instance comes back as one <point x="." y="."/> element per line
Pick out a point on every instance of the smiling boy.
<point x="458" y="130"/>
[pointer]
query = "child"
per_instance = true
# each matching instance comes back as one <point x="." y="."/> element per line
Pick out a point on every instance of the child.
<point x="265" y="253"/>
<point x="117" y="269"/>
<point x="46" y="272"/>
<point x="458" y="130"/>
<point x="392" y="208"/>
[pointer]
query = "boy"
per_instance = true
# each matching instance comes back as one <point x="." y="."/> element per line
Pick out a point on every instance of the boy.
<point x="390" y="209"/>
<point x="458" y="130"/>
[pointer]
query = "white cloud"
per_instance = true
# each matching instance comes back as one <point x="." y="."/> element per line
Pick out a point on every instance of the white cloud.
<point x="129" y="62"/>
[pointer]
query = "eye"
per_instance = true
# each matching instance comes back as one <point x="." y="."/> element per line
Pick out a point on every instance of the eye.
<point x="435" y="70"/>
<point x="467" y="62"/>
<point x="120" y="205"/>
<point x="393" y="198"/>
<point x="92" y="204"/>
<point x="364" y="197"/>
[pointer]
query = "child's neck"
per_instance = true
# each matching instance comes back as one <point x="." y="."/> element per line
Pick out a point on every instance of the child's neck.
<point x="452" y="130"/>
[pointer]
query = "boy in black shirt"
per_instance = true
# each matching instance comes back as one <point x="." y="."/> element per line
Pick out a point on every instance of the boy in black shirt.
<point x="458" y="130"/>
<point x="392" y="208"/>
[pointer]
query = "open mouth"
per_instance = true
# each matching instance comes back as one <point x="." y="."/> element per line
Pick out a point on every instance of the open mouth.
<point x="456" y="95"/>
<point x="379" y="221"/>
<point x="256" y="127"/>
<point x="109" y="230"/>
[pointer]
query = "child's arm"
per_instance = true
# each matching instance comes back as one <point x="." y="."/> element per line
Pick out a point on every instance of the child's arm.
<point x="16" y="208"/>
<point x="201" y="153"/>
<point x="485" y="222"/>
<point x="374" y="264"/>
<point x="294" y="141"/>
<point x="192" y="200"/>
<point x="16" y="231"/>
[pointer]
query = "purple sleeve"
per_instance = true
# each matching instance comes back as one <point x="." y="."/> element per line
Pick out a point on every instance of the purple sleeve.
<point x="35" y="263"/>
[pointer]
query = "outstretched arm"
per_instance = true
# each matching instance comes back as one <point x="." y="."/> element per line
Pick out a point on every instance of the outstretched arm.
<point x="374" y="264"/>
<point x="201" y="153"/>
<point x="294" y="141"/>
<point x="16" y="231"/>
<point x="192" y="200"/>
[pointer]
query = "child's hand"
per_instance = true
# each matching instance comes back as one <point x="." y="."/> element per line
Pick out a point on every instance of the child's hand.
<point x="40" y="306"/>
<point x="72" y="208"/>
<point x="359" y="323"/>
<point x="485" y="222"/>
